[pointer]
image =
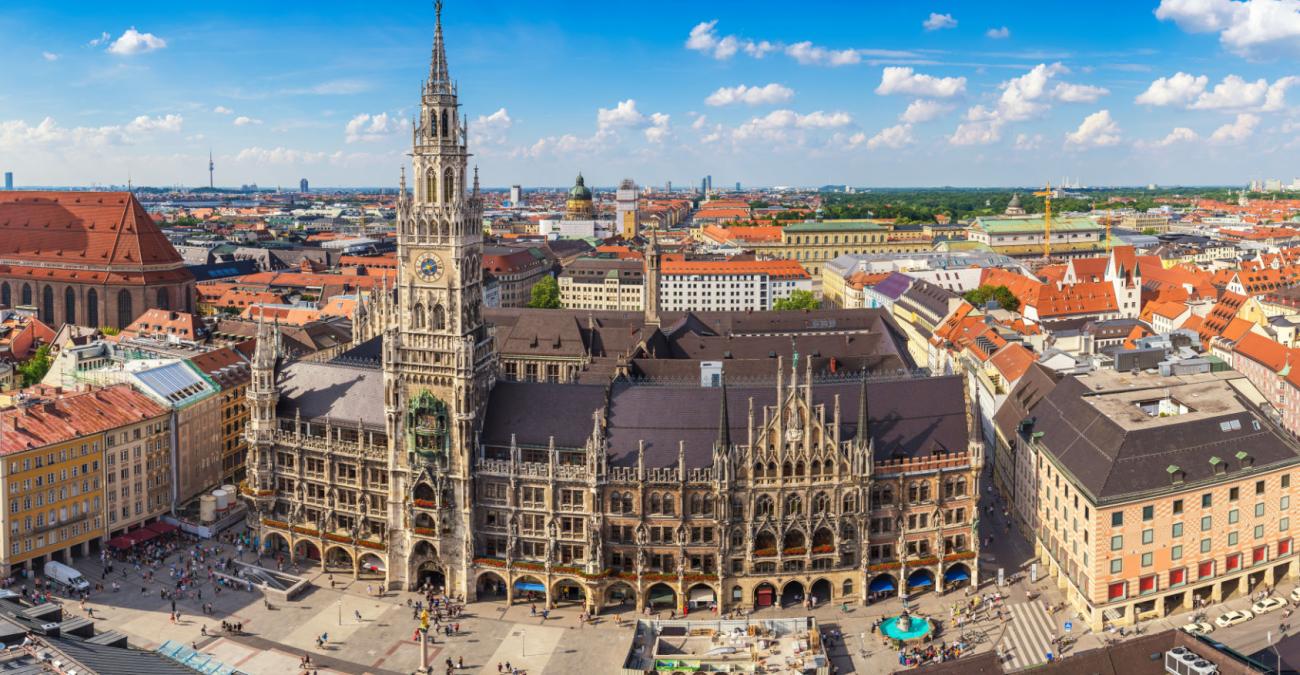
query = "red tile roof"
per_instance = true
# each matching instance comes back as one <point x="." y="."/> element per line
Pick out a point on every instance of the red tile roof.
<point x="1012" y="361"/>
<point x="85" y="228"/>
<point x="61" y="417"/>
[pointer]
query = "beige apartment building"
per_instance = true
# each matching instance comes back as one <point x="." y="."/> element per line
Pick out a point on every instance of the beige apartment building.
<point x="1148" y="493"/>
<point x="603" y="284"/>
<point x="137" y="472"/>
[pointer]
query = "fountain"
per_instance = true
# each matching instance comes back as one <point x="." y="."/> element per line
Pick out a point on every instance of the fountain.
<point x="906" y="628"/>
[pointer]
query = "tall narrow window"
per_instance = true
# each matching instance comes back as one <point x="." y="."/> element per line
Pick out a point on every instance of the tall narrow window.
<point x="430" y="186"/>
<point x="125" y="313"/>
<point x="92" y="308"/>
<point x="448" y="185"/>
<point x="69" y="305"/>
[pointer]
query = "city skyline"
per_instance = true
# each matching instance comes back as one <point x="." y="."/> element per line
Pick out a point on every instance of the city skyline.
<point x="960" y="95"/>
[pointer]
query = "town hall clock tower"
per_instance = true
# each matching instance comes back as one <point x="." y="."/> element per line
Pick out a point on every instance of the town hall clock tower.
<point x="437" y="352"/>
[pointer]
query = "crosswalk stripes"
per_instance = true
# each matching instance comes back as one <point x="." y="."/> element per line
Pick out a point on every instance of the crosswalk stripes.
<point x="1028" y="635"/>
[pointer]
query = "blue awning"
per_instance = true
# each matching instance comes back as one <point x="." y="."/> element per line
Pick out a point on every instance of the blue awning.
<point x="881" y="585"/>
<point x="920" y="580"/>
<point x="956" y="574"/>
<point x="529" y="586"/>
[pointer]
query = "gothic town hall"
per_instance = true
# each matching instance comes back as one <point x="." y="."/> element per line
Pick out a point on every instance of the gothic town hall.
<point x="679" y="460"/>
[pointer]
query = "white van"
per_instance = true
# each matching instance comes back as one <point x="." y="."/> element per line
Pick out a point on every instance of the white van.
<point x="67" y="576"/>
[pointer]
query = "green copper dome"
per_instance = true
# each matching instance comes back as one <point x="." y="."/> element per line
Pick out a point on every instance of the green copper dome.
<point x="579" y="190"/>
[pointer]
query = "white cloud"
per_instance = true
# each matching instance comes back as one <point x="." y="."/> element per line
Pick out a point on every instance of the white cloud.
<point x="15" y="134"/>
<point x="244" y="121"/>
<point x="700" y="122"/>
<point x="939" y="21"/>
<point x="1237" y="130"/>
<point x="903" y="80"/>
<point x="765" y="95"/>
<point x="1078" y="93"/>
<point x="1245" y="27"/>
<point x="279" y="155"/>
<point x="923" y="110"/>
<point x="1097" y="129"/>
<point x="1027" y="142"/>
<point x="103" y="39"/>
<point x="704" y="38"/>
<point x="778" y="125"/>
<point x="1177" y="135"/>
<point x="491" y="129"/>
<point x="134" y="42"/>
<point x="223" y="110"/>
<point x="49" y="56"/>
<point x="1022" y="98"/>
<point x="895" y="137"/>
<point x="998" y="33"/>
<point x="658" y="129"/>
<point x="976" y="132"/>
<point x="808" y="54"/>
<point x="624" y="114"/>
<point x="332" y="88"/>
<point x="367" y="128"/>
<point x="1177" y="89"/>
<point x="1235" y="93"/>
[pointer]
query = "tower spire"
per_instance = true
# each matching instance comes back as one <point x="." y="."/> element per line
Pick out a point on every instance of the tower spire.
<point x="724" y="421"/>
<point x="439" y="80"/>
<point x="863" y="432"/>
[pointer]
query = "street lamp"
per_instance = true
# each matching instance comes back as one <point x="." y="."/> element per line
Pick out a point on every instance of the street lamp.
<point x="340" y="610"/>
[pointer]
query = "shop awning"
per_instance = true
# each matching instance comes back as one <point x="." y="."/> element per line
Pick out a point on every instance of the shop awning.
<point x="663" y="596"/>
<point x="162" y="527"/>
<point x="141" y="535"/>
<point x="120" y="542"/>
<point x="920" y="581"/>
<point x="956" y="574"/>
<point x="702" y="595"/>
<point x="529" y="586"/>
<point x="881" y="585"/>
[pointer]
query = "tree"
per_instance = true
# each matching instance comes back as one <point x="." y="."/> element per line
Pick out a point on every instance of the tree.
<point x="545" y="294"/>
<point x="797" y="300"/>
<point x="1003" y="295"/>
<point x="33" y="369"/>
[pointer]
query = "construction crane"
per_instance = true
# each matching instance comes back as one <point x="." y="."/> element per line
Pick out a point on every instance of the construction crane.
<point x="1047" y="220"/>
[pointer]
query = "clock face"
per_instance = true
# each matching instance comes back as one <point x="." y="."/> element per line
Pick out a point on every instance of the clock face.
<point x="429" y="267"/>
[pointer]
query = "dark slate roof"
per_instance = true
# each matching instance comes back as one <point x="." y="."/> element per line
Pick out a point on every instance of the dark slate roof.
<point x="538" y="411"/>
<point x="222" y="270"/>
<point x="344" y="394"/>
<point x="105" y="660"/>
<point x="1032" y="387"/>
<point x="894" y="285"/>
<point x="909" y="417"/>
<point x="1111" y="460"/>
<point x="929" y="297"/>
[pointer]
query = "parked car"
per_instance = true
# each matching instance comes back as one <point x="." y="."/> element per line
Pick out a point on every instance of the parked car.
<point x="1267" y="605"/>
<point x="1199" y="628"/>
<point x="1295" y="595"/>
<point x="1233" y="618"/>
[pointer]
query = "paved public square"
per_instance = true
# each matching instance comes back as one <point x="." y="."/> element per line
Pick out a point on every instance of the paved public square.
<point x="275" y="638"/>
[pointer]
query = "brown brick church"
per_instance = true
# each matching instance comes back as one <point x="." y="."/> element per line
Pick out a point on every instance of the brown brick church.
<point x="89" y="258"/>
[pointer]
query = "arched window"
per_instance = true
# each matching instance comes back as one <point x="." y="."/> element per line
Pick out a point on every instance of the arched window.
<point x="92" y="308"/>
<point x="164" y="300"/>
<point x="417" y="316"/>
<point x="850" y="504"/>
<point x="448" y="185"/>
<point x="47" y="305"/>
<point x="27" y="294"/>
<point x="615" y="503"/>
<point x="961" y="487"/>
<point x="821" y="503"/>
<point x="444" y="124"/>
<point x="669" y="509"/>
<point x="793" y="505"/>
<point x="69" y="305"/>
<point x="786" y="470"/>
<point x="656" y="504"/>
<point x="925" y="491"/>
<point x="125" y="313"/>
<point x="697" y="505"/>
<point x="6" y="296"/>
<point x="708" y="505"/>
<point x="430" y="185"/>
<point x="439" y="318"/>
<point x="763" y="507"/>
<point x="758" y="466"/>
<point x="627" y="502"/>
<point x="848" y="587"/>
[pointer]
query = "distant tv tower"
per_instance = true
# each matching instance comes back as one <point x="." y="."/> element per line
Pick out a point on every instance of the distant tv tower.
<point x="211" y="168"/>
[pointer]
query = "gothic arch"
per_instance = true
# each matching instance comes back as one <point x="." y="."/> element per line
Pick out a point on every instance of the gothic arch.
<point x="27" y="295"/>
<point x="47" y="305"/>
<point x="448" y="185"/>
<point x="417" y="316"/>
<point x="444" y="124"/>
<point x="125" y="313"/>
<point x="164" y="300"/>
<point x="69" y="305"/>
<point x="439" y="321"/>
<point x="430" y="186"/>
<point x="6" y="295"/>
<point x="92" y="308"/>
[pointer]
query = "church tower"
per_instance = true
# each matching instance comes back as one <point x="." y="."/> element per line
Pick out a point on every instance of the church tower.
<point x="437" y="351"/>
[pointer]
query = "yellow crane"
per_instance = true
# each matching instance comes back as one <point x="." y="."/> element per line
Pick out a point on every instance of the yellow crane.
<point x="1047" y="220"/>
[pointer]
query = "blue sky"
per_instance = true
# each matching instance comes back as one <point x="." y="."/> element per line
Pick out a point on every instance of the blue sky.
<point x="765" y="93"/>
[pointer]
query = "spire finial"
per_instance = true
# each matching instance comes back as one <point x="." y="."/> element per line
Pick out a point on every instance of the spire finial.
<point x="724" y="420"/>
<point x="439" y="80"/>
